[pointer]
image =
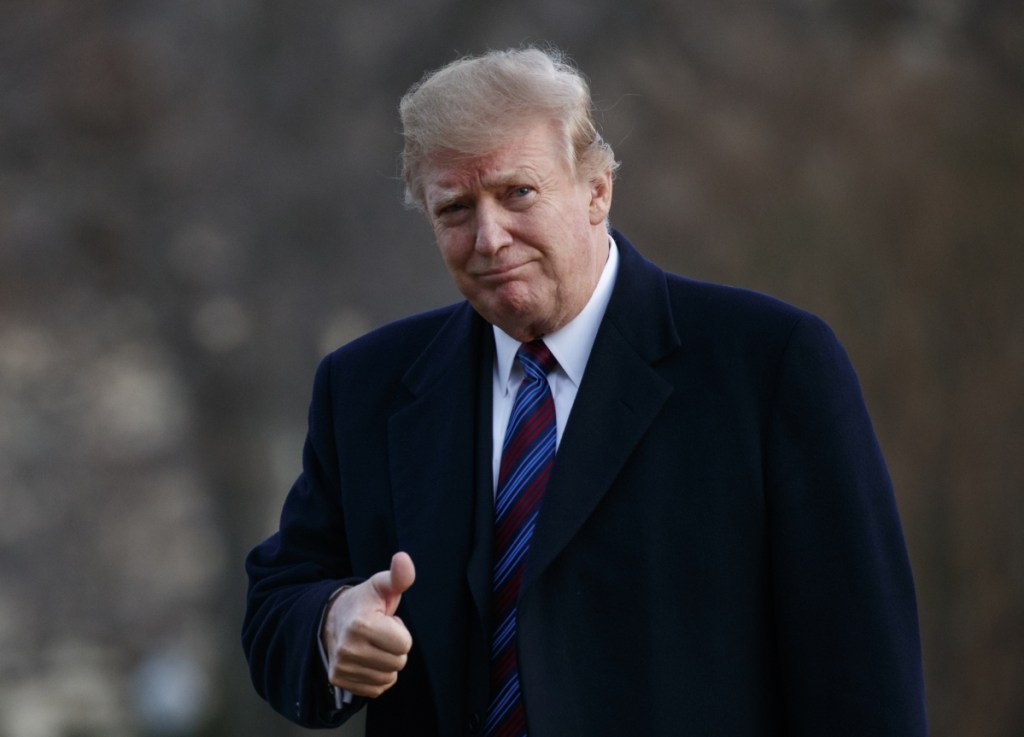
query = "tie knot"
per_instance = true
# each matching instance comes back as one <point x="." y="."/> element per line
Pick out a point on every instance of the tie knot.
<point x="536" y="359"/>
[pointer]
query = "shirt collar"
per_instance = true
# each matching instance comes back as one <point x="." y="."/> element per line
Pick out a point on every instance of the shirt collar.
<point x="570" y="344"/>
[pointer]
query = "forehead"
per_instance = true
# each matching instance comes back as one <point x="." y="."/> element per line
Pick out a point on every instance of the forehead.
<point x="535" y="151"/>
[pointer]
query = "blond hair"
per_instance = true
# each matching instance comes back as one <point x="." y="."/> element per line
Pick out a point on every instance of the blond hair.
<point x="471" y="105"/>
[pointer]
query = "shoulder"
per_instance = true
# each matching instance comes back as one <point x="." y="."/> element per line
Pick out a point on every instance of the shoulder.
<point x="407" y="336"/>
<point x="786" y="352"/>
<point x="736" y="310"/>
<point x="417" y="328"/>
<point x="384" y="354"/>
<point x="729" y="329"/>
<point x="748" y="329"/>
<point x="702" y="308"/>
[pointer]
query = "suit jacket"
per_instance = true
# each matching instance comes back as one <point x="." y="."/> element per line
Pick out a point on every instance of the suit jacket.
<point x="718" y="551"/>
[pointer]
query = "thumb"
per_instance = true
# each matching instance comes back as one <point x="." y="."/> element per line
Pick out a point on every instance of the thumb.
<point x="391" y="584"/>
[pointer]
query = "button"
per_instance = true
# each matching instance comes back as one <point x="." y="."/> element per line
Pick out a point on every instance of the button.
<point x="473" y="722"/>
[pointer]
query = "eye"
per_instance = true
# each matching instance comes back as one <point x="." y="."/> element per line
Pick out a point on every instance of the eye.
<point x="519" y="197"/>
<point x="449" y="209"/>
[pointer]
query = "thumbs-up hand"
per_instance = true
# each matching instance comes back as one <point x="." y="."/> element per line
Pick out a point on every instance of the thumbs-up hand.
<point x="366" y="644"/>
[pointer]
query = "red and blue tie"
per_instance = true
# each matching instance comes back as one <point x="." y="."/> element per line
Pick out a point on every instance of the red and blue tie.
<point x="526" y="459"/>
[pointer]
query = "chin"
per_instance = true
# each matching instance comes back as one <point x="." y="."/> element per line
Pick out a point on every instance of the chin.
<point x="514" y="304"/>
<point x="521" y="326"/>
<point x="515" y="309"/>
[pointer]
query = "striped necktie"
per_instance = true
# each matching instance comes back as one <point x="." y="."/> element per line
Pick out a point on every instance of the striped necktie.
<point x="526" y="459"/>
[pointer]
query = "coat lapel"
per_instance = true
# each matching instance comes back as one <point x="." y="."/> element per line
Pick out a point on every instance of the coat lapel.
<point x="619" y="398"/>
<point x="431" y="439"/>
<point x="433" y="464"/>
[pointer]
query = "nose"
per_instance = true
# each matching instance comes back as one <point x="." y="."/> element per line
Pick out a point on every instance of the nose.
<point x="491" y="228"/>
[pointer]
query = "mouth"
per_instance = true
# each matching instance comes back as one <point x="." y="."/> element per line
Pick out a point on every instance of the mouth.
<point x="505" y="271"/>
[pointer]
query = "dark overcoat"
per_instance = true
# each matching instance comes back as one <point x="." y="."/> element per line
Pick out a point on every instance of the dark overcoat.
<point x="718" y="551"/>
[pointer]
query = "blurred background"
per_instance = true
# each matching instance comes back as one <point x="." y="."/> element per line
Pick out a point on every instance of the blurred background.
<point x="199" y="198"/>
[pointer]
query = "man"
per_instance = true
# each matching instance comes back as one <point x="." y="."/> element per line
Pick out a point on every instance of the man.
<point x="595" y="498"/>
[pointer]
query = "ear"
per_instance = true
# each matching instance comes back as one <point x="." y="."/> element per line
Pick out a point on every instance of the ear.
<point x="600" y="196"/>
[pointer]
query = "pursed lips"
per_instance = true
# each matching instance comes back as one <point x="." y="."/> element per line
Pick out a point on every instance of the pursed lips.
<point x="500" y="272"/>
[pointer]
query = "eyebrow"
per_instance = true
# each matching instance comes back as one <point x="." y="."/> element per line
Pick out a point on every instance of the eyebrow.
<point x="509" y="177"/>
<point x="446" y="194"/>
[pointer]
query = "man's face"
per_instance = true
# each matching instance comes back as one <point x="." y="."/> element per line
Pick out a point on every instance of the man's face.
<point x="523" y="238"/>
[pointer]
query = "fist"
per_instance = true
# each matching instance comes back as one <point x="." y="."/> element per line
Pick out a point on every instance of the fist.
<point x="366" y="644"/>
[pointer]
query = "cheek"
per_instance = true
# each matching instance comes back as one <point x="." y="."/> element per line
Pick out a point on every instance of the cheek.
<point x="452" y="253"/>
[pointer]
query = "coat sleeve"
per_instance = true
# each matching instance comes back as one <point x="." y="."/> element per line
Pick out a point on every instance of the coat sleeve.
<point x="292" y="575"/>
<point x="844" y="600"/>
